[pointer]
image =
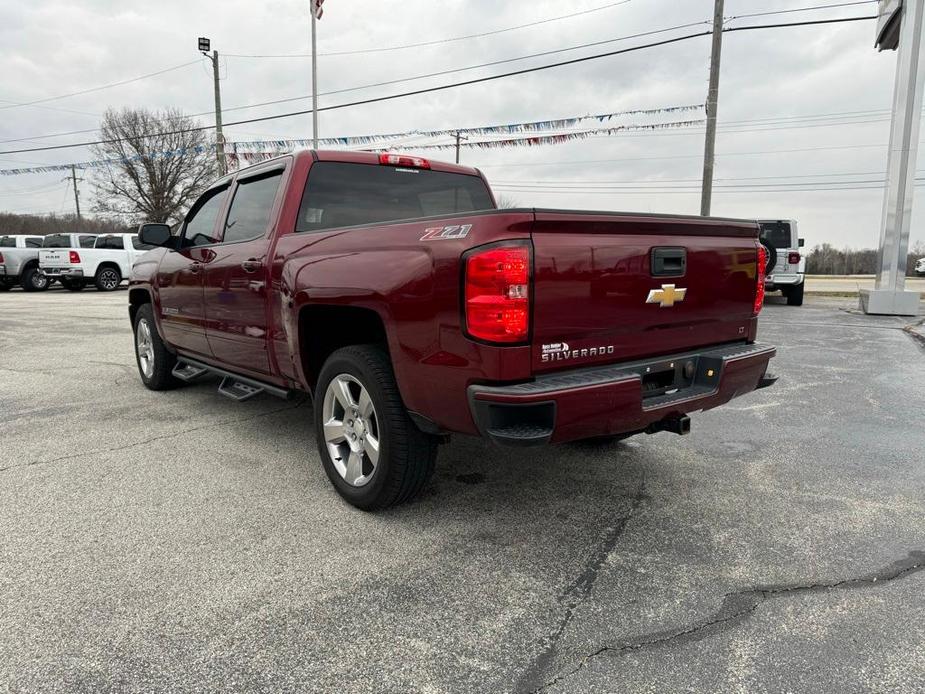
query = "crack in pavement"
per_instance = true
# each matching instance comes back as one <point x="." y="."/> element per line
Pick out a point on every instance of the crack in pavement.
<point x="160" y="437"/>
<point x="914" y="330"/>
<point x="578" y="591"/>
<point x="738" y="606"/>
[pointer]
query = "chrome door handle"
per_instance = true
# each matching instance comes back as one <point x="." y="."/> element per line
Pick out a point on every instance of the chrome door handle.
<point x="251" y="265"/>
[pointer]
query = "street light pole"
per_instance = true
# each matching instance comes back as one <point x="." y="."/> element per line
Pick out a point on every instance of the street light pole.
<point x="205" y="45"/>
<point x="706" y="191"/>
<point x="219" y="135"/>
<point x="314" y="77"/>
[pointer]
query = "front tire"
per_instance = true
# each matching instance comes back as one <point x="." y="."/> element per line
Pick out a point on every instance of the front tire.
<point x="372" y="452"/>
<point x="33" y="280"/>
<point x="155" y="363"/>
<point x="795" y="295"/>
<point x="108" y="279"/>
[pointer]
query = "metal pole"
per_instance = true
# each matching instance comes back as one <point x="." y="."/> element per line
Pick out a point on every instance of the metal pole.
<point x="314" y="80"/>
<point x="76" y="194"/>
<point x="706" y="193"/>
<point x="219" y="136"/>
<point x="457" y="146"/>
<point x="888" y="295"/>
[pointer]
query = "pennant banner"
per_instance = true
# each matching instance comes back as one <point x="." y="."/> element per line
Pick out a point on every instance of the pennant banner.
<point x="99" y="162"/>
<point x="237" y="157"/>
<point x="259" y="150"/>
<point x="508" y="128"/>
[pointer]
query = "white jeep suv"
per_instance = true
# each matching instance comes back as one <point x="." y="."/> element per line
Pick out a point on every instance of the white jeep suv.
<point x="786" y="264"/>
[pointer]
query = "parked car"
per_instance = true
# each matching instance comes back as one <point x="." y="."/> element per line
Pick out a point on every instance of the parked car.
<point x="106" y="264"/>
<point x="920" y="267"/>
<point x="20" y="264"/>
<point x="391" y="289"/>
<point x="786" y="264"/>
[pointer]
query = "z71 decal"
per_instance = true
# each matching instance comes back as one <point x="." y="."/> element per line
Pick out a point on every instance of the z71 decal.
<point x="456" y="231"/>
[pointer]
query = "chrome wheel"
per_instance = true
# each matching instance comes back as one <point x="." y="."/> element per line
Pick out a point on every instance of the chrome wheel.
<point x="39" y="281"/>
<point x="144" y="345"/>
<point x="351" y="429"/>
<point x="109" y="279"/>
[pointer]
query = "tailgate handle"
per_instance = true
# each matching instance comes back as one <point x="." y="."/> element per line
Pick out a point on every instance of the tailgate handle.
<point x="668" y="262"/>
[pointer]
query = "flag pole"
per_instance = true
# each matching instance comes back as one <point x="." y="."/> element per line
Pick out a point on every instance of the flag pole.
<point x="314" y="8"/>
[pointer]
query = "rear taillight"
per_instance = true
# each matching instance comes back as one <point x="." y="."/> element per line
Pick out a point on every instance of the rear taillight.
<point x="793" y="258"/>
<point x="75" y="257"/>
<point x="403" y="160"/>
<point x="759" y="287"/>
<point x="497" y="285"/>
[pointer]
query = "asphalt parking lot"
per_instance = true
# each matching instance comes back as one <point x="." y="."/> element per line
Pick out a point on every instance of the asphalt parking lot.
<point x="183" y="542"/>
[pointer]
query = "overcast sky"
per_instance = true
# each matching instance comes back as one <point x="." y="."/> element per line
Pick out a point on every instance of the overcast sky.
<point x="785" y="84"/>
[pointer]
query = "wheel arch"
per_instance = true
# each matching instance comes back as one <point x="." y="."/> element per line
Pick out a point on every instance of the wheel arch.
<point x="356" y="325"/>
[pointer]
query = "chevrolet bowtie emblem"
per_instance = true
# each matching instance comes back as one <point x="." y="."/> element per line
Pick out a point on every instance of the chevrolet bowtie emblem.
<point x="667" y="296"/>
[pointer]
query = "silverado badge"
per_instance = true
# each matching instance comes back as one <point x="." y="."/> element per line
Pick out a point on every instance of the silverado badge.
<point x="667" y="296"/>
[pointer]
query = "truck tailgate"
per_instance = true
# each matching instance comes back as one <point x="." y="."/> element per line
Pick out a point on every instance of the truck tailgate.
<point x="57" y="257"/>
<point x="614" y="287"/>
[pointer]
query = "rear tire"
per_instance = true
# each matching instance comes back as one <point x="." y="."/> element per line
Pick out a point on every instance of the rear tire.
<point x="795" y="295"/>
<point x="372" y="452"/>
<point x="33" y="280"/>
<point x="108" y="279"/>
<point x="155" y="362"/>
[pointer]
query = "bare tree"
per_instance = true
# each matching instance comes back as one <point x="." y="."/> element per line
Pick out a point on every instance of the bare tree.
<point x="507" y="203"/>
<point x="161" y="163"/>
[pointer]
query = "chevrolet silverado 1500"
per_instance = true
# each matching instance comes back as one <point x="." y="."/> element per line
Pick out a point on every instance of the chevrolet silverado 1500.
<point x="392" y="290"/>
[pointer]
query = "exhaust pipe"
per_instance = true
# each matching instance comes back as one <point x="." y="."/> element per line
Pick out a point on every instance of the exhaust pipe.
<point x="676" y="425"/>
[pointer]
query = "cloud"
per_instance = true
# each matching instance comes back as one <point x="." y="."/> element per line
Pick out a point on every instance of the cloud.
<point x="54" y="47"/>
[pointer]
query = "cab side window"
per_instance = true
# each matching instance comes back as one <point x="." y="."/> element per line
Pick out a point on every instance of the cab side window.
<point x="86" y="241"/>
<point x="249" y="215"/>
<point x="199" y="229"/>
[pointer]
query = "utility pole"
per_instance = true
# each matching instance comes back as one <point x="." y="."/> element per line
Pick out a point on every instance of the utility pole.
<point x="706" y="193"/>
<point x="459" y="138"/>
<point x="76" y="194"/>
<point x="204" y="45"/>
<point x="900" y="27"/>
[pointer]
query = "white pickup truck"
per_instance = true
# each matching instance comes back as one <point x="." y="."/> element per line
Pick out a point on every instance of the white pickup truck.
<point x="19" y="258"/>
<point x="106" y="264"/>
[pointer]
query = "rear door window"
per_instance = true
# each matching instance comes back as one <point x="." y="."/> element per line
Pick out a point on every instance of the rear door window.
<point x="249" y="215"/>
<point x="115" y="243"/>
<point x="7" y="242"/>
<point x="34" y="242"/>
<point x="57" y="241"/>
<point x="341" y="194"/>
<point x="87" y="241"/>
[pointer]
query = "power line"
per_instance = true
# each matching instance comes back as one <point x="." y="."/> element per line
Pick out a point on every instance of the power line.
<point x="489" y="78"/>
<point x="799" y="9"/>
<point x="397" y="81"/>
<point x="97" y="89"/>
<point x="436" y="41"/>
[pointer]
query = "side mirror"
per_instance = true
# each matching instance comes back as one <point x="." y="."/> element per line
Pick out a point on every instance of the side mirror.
<point x="156" y="235"/>
<point x="801" y="242"/>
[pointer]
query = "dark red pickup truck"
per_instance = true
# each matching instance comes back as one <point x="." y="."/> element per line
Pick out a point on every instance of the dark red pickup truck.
<point x="393" y="290"/>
